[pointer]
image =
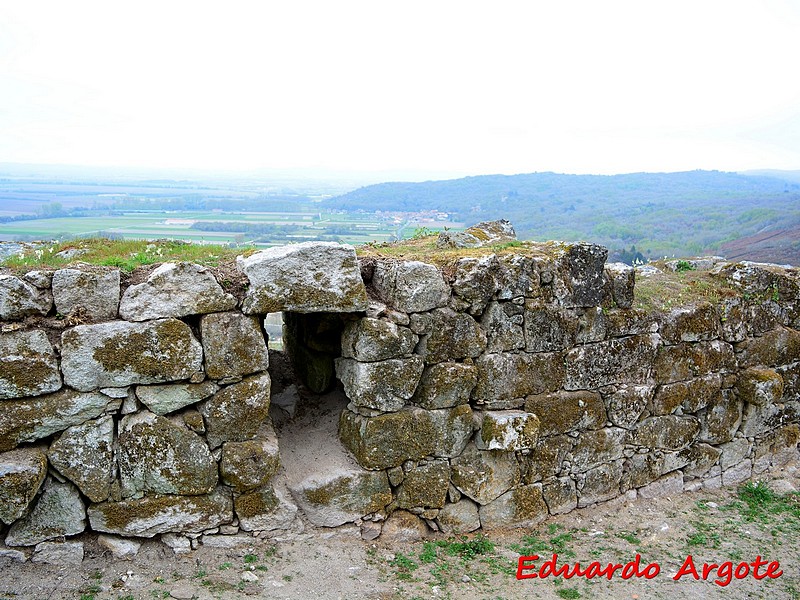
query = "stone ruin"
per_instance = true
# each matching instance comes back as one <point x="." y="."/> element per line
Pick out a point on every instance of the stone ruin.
<point x="489" y="393"/>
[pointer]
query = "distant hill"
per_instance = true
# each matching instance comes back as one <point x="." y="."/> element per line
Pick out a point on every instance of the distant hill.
<point x="662" y="214"/>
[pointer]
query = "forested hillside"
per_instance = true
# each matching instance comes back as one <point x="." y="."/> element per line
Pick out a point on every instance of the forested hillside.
<point x="661" y="214"/>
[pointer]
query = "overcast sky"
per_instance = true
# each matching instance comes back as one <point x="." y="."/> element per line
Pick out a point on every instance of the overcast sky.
<point x="441" y="87"/>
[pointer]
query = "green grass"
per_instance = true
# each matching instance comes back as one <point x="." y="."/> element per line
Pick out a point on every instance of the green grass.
<point x="568" y="593"/>
<point x="531" y="544"/>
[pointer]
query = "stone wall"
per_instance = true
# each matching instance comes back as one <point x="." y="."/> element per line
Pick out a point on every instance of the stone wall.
<point x="489" y="393"/>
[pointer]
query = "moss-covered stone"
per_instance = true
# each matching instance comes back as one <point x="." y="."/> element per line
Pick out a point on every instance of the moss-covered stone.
<point x="475" y="280"/>
<point x="688" y="360"/>
<point x="692" y="323"/>
<point x="508" y="430"/>
<point x="698" y="459"/>
<point x="20" y="298"/>
<point x="22" y="473"/>
<point x="508" y="376"/>
<point x="233" y="345"/>
<point x="388" y="440"/>
<point x="152" y="515"/>
<point x="175" y="290"/>
<point x="546" y="459"/>
<point x="445" y="384"/>
<point x="266" y="509"/>
<point x="548" y="329"/>
<point x="453" y="336"/>
<point x="410" y="286"/>
<point x="597" y="447"/>
<point x="384" y="385"/>
<point x="305" y="278"/>
<point x="779" y="346"/>
<point x="29" y="419"/>
<point x="623" y="360"/>
<point x="29" y="365"/>
<point x="623" y="279"/>
<point x="452" y="429"/>
<point x="425" y="486"/>
<point x="370" y="340"/>
<point x="236" y="412"/>
<point x="117" y="354"/>
<point x="251" y="464"/>
<point x="627" y="404"/>
<point x="342" y="496"/>
<point x="159" y="457"/>
<point x="522" y="507"/>
<point x="721" y="418"/>
<point x="560" y="495"/>
<point x="502" y="322"/>
<point x="759" y="386"/>
<point x="58" y="512"/>
<point x="95" y="295"/>
<point x="164" y="399"/>
<point x="483" y="475"/>
<point x="691" y="395"/>
<point x="561" y="412"/>
<point x="586" y="269"/>
<point x="669" y="432"/>
<point x="632" y="321"/>
<point x="85" y="455"/>
<point x="600" y="484"/>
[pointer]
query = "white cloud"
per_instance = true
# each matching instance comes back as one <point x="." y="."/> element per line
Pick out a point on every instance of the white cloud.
<point x="450" y="86"/>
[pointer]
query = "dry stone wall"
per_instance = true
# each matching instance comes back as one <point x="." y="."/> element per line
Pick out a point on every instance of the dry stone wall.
<point x="495" y="392"/>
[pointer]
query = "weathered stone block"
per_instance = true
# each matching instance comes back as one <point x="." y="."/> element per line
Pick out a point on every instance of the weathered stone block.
<point x="623" y="279"/>
<point x="475" y="280"/>
<point x="587" y="274"/>
<point x="233" y="345"/>
<point x="22" y="473"/>
<point x="425" y="486"/>
<point x="265" y="510"/>
<point x="591" y="325"/>
<point x="508" y="376"/>
<point x="164" y="399"/>
<point x="759" y="386"/>
<point x="622" y="323"/>
<point x="733" y="318"/>
<point x="250" y="464"/>
<point x="597" y="447"/>
<point x="460" y="517"/>
<point x="627" y="404"/>
<point x="332" y="499"/>
<point x="236" y="412"/>
<point x="733" y="453"/>
<point x="758" y="420"/>
<point x="95" y="295"/>
<point x="29" y="365"/>
<point x="503" y="322"/>
<point x="483" y="475"/>
<point x="548" y="329"/>
<point x="691" y="395"/>
<point x="157" y="456"/>
<point x="85" y="455"/>
<point x="561" y="412"/>
<point x="403" y="527"/>
<point x="687" y="360"/>
<point x="371" y="340"/>
<point x="624" y="360"/>
<point x="669" y="485"/>
<point x="388" y="440"/>
<point x="560" y="495"/>
<point x="58" y="553"/>
<point x="601" y="484"/>
<point x="30" y="419"/>
<point x="690" y="324"/>
<point x="699" y="458"/>
<point x="117" y="354"/>
<point x="508" y="430"/>
<point x="410" y="286"/>
<point x="445" y="384"/>
<point x="152" y="515"/>
<point x="453" y="336"/>
<point x="384" y="385"/>
<point x="58" y="512"/>
<point x="175" y="290"/>
<point x="478" y="236"/>
<point x="546" y="459"/>
<point x="779" y="346"/>
<point x="20" y="297"/>
<point x="304" y="278"/>
<point x="721" y="418"/>
<point x="668" y="432"/>
<point x="518" y="277"/>
<point x="521" y="507"/>
<point x="452" y="429"/>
